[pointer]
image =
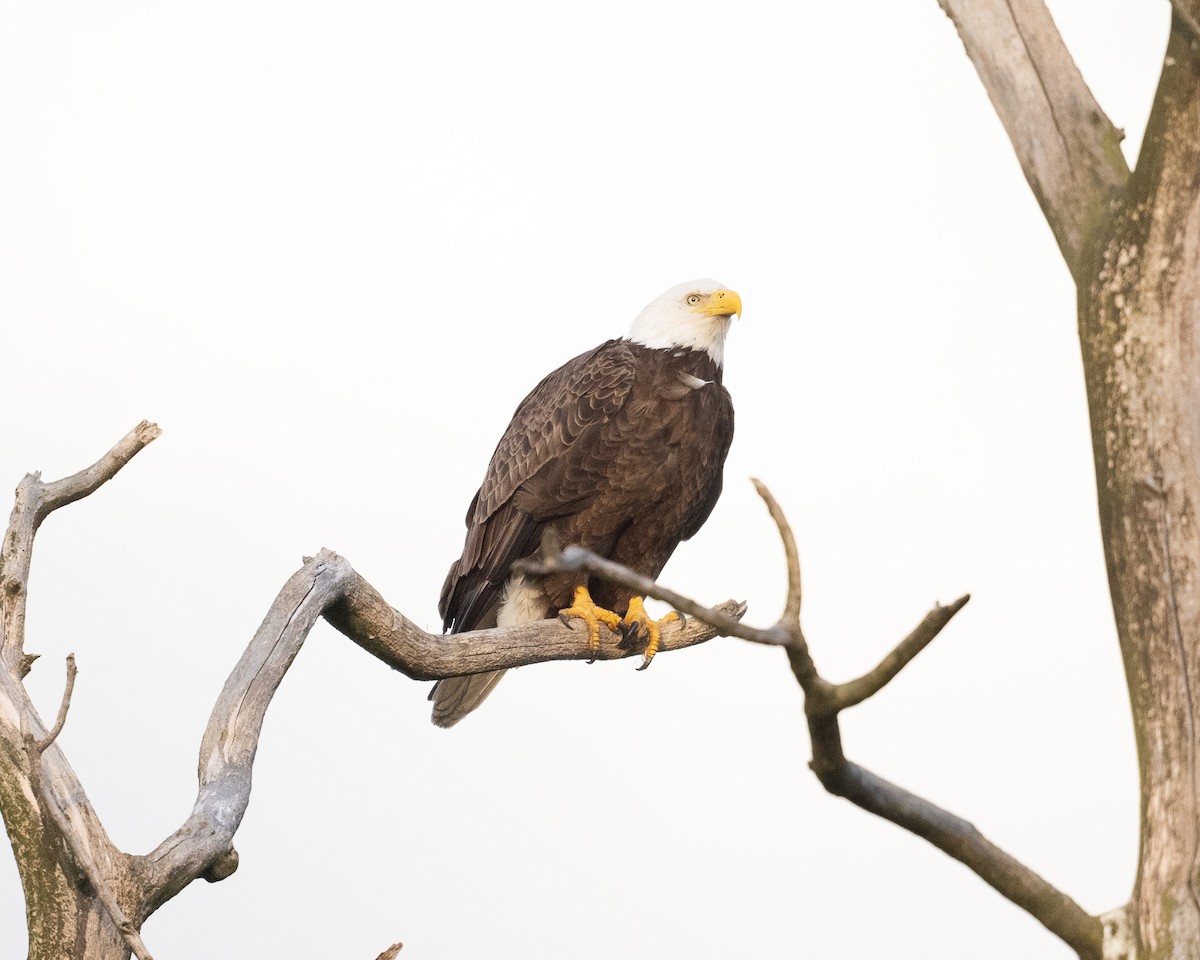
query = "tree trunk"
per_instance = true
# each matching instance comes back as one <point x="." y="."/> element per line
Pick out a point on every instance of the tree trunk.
<point x="63" y="916"/>
<point x="1138" y="325"/>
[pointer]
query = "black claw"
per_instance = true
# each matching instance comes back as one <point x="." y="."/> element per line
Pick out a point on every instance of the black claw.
<point x="645" y="664"/>
<point x="565" y="618"/>
<point x="635" y="631"/>
<point x="682" y="620"/>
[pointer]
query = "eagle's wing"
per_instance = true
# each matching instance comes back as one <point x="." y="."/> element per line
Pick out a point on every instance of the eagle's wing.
<point x="560" y="415"/>
<point x="715" y="453"/>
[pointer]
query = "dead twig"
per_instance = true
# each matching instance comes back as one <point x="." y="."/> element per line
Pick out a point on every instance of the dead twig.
<point x="856" y="691"/>
<point x="790" y="617"/>
<point x="824" y="701"/>
<point x="49" y="738"/>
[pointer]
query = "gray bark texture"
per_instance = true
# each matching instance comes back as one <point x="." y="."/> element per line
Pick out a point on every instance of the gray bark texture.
<point x="1132" y="243"/>
<point x="1138" y="328"/>
<point x="87" y="900"/>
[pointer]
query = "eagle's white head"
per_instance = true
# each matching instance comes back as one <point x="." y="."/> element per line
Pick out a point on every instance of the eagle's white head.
<point x="695" y="314"/>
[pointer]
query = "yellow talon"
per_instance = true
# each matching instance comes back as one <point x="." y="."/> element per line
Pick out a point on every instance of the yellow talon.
<point x="584" y="608"/>
<point x="637" y="619"/>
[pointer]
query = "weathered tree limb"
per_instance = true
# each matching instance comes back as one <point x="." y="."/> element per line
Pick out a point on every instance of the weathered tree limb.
<point x="856" y="691"/>
<point x="1138" y="289"/>
<point x="960" y="839"/>
<point x="60" y="721"/>
<point x="35" y="501"/>
<point x="75" y="880"/>
<point x="361" y="613"/>
<point x="87" y="899"/>
<point x="1068" y="149"/>
<point x="824" y="701"/>
<point x="328" y="586"/>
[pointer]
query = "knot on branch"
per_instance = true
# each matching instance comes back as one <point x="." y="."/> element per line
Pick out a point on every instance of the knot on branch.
<point x="1119" y="940"/>
<point x="224" y="866"/>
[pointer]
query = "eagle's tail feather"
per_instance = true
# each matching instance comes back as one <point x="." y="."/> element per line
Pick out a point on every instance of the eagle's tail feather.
<point x="455" y="697"/>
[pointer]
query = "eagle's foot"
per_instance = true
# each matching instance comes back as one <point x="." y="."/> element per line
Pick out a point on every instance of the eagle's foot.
<point x="584" y="608"/>
<point x="637" y="621"/>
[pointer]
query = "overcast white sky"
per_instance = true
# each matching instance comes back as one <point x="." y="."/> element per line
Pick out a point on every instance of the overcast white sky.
<point x="329" y="247"/>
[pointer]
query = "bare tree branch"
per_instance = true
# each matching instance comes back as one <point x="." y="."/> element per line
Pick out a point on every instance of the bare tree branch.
<point x="49" y="738"/>
<point x="35" y="501"/>
<point x="87" y="481"/>
<point x="856" y="691"/>
<point x="823" y="701"/>
<point x="790" y="617"/>
<point x="1057" y="912"/>
<point x="50" y="797"/>
<point x="328" y="586"/>
<point x="1068" y="149"/>
<point x="45" y="803"/>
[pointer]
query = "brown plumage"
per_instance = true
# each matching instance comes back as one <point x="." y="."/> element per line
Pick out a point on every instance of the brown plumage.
<point x="620" y="451"/>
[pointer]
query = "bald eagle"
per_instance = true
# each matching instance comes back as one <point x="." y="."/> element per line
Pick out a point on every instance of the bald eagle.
<point x="620" y="451"/>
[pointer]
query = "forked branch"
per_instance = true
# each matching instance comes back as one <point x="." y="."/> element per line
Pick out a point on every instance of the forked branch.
<point x="52" y="801"/>
<point x="61" y="720"/>
<point x="46" y="786"/>
<point x="35" y="501"/>
<point x="824" y="701"/>
<point x="328" y="586"/>
<point x="1068" y="149"/>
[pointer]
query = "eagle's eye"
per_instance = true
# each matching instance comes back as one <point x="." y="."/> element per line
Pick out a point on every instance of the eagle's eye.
<point x="694" y="298"/>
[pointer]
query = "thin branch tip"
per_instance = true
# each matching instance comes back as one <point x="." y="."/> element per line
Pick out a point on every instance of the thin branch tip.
<point x="45" y="742"/>
<point x="790" y="618"/>
<point x="1065" y="143"/>
<point x="147" y="431"/>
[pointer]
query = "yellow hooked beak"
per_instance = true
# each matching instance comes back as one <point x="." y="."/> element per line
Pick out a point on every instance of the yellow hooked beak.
<point x="723" y="303"/>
